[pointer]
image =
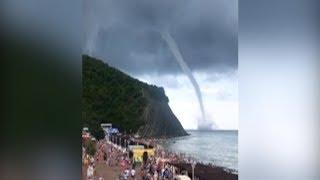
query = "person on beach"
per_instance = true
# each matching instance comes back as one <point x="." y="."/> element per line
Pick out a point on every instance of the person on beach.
<point x="133" y="173"/>
<point x="126" y="174"/>
<point x="90" y="171"/>
<point x="155" y="175"/>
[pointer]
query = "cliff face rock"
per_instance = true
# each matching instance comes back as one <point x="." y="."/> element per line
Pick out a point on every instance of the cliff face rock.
<point x="111" y="96"/>
<point x="160" y="121"/>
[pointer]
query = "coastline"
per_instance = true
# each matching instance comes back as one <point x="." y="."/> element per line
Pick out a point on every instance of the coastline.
<point x="217" y="147"/>
<point x="203" y="171"/>
<point x="180" y="163"/>
<point x="207" y="171"/>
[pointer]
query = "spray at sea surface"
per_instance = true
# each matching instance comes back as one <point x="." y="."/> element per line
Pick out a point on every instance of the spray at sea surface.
<point x="203" y="123"/>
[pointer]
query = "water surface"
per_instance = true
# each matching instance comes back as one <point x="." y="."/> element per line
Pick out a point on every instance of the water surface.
<point x="218" y="147"/>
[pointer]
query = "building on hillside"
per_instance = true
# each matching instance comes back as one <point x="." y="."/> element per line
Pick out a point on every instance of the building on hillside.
<point x="106" y="127"/>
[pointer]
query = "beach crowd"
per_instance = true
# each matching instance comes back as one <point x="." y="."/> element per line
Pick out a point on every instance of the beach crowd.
<point x="117" y="161"/>
<point x="153" y="167"/>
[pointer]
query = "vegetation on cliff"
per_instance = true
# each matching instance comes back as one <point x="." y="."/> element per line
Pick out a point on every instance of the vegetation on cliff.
<point x="110" y="95"/>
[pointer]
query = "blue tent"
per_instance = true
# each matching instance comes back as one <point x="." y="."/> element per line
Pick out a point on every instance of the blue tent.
<point x="113" y="131"/>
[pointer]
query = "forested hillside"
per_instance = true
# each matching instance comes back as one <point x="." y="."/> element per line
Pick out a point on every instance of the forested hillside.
<point x="110" y="95"/>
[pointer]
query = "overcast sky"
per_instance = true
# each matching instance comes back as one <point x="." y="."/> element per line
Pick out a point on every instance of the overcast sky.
<point x="126" y="35"/>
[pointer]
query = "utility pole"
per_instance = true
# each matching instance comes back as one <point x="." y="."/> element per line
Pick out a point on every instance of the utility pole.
<point x="193" y="165"/>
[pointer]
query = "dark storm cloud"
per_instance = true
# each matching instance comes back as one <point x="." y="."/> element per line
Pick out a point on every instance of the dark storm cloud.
<point x="282" y="21"/>
<point x="126" y="34"/>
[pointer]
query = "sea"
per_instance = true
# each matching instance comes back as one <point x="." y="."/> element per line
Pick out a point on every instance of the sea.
<point x="219" y="147"/>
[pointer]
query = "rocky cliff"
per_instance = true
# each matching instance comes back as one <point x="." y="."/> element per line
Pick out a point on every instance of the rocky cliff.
<point x="111" y="96"/>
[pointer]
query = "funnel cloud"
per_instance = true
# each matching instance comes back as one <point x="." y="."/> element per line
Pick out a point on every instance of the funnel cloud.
<point x="202" y="123"/>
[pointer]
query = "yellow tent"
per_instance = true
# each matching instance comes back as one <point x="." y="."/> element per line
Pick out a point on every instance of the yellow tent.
<point x="138" y="153"/>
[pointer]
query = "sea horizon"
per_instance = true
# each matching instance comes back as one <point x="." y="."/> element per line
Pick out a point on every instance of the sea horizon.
<point x="209" y="130"/>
